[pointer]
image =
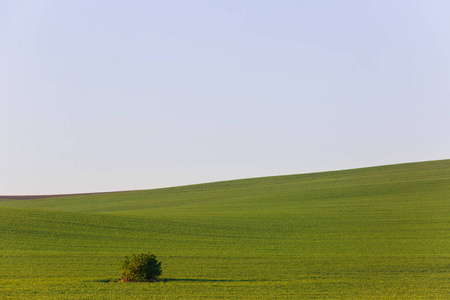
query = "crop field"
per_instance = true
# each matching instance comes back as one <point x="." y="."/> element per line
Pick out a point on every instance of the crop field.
<point x="371" y="233"/>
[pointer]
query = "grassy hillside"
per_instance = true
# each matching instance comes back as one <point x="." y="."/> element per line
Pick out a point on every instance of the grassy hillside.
<point x="380" y="232"/>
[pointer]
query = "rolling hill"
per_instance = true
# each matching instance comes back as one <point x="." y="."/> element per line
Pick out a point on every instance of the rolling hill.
<point x="370" y="233"/>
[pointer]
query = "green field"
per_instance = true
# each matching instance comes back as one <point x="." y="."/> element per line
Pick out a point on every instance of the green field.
<point x="371" y="233"/>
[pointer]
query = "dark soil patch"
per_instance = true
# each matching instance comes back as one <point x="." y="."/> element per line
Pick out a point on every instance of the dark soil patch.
<point x="32" y="197"/>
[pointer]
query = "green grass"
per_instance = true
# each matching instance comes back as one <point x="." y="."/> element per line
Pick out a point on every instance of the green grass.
<point x="370" y="233"/>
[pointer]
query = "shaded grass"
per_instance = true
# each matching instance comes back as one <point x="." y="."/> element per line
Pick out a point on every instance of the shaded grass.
<point x="368" y="233"/>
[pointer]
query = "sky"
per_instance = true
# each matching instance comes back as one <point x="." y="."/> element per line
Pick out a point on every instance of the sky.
<point x="124" y="95"/>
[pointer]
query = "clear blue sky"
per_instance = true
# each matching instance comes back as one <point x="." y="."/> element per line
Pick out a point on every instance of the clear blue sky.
<point x="122" y="95"/>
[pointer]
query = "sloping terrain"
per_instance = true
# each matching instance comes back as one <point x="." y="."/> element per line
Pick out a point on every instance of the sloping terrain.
<point x="381" y="232"/>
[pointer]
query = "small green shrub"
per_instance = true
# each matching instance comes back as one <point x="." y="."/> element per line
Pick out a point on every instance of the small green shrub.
<point x="141" y="267"/>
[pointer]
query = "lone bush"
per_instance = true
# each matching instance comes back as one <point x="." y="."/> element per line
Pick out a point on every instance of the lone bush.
<point x="141" y="267"/>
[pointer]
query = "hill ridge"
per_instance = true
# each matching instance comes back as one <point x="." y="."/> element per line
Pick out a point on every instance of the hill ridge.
<point x="33" y="197"/>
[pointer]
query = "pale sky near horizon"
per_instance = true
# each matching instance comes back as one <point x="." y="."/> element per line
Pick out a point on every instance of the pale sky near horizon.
<point x="122" y="95"/>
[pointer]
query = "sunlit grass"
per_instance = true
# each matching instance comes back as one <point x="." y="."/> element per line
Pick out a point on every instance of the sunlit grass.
<point x="368" y="233"/>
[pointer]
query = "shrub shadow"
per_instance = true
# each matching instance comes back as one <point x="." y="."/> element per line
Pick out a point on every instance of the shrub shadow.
<point x="104" y="280"/>
<point x="109" y="280"/>
<point x="207" y="280"/>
